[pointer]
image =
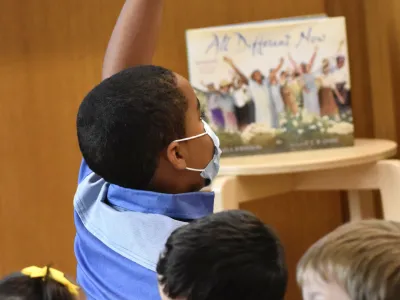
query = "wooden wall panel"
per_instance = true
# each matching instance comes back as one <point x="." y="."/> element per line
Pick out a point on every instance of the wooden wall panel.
<point x="50" y="56"/>
<point x="378" y="23"/>
<point x="393" y="31"/>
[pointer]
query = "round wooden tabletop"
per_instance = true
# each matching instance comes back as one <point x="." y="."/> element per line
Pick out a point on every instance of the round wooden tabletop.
<point x="364" y="151"/>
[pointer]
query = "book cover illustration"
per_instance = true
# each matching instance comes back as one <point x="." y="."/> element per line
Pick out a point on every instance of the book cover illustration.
<point x="270" y="87"/>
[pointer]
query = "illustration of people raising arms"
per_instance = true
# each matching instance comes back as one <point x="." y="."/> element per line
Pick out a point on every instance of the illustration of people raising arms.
<point x="216" y="114"/>
<point x="310" y="89"/>
<point x="342" y="79"/>
<point x="275" y="92"/>
<point x="264" y="106"/>
<point x="328" y="91"/>
<point x="227" y="104"/>
<point x="289" y="91"/>
<point x="296" y="87"/>
<point x="244" y="104"/>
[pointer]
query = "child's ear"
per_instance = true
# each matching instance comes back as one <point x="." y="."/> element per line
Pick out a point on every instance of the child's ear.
<point x="176" y="155"/>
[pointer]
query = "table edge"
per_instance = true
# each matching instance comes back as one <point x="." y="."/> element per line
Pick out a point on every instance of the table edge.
<point x="324" y="165"/>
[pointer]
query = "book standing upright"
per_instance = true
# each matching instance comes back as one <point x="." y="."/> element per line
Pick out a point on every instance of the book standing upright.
<point x="274" y="86"/>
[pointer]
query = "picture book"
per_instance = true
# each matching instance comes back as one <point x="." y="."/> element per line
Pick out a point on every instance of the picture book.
<point x="274" y="86"/>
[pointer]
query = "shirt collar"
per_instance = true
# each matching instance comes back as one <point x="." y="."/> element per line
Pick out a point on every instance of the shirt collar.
<point x="180" y="206"/>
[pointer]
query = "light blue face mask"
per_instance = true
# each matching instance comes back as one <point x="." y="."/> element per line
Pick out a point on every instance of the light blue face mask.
<point x="211" y="170"/>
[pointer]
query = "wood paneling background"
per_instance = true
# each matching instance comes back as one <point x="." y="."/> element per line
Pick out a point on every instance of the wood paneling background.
<point x="50" y="56"/>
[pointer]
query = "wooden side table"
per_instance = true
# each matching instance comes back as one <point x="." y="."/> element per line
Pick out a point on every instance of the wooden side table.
<point x="362" y="167"/>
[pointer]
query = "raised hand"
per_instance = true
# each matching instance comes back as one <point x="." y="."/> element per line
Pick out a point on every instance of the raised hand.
<point x="228" y="60"/>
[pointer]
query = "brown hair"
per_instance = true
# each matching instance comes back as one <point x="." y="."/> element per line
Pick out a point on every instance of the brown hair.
<point x="362" y="257"/>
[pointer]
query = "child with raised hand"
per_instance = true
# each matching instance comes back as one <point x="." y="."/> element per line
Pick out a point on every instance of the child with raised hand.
<point x="34" y="283"/>
<point x="228" y="255"/>
<point x="147" y="153"/>
<point x="357" y="261"/>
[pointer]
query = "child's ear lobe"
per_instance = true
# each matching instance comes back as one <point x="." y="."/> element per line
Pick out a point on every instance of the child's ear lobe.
<point x="176" y="155"/>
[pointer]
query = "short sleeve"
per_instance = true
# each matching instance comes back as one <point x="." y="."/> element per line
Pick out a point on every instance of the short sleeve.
<point x="84" y="171"/>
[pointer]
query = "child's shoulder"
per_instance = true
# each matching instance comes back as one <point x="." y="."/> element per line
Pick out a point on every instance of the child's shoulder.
<point x="84" y="171"/>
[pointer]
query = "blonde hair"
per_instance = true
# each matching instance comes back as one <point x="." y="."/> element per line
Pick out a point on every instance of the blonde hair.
<point x="362" y="257"/>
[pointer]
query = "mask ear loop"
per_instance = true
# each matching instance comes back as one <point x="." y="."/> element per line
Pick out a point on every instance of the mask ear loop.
<point x="196" y="170"/>
<point x="191" y="138"/>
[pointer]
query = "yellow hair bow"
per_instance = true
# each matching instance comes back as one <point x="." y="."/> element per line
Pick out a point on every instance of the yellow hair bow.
<point x="36" y="272"/>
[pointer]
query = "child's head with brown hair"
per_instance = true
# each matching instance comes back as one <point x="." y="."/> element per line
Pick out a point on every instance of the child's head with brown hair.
<point x="357" y="261"/>
<point x="35" y="283"/>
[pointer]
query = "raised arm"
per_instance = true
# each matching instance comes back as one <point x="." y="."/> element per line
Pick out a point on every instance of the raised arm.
<point x="278" y="67"/>
<point x="230" y="62"/>
<point x="293" y="63"/>
<point x="340" y="48"/>
<point x="312" y="60"/>
<point x="134" y="37"/>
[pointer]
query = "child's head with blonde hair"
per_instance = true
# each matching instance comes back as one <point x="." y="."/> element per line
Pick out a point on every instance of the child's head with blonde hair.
<point x="357" y="261"/>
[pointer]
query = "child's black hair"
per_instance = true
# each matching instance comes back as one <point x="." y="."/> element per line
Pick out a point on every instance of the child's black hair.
<point x="229" y="255"/>
<point x="127" y="120"/>
<point x="21" y="287"/>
